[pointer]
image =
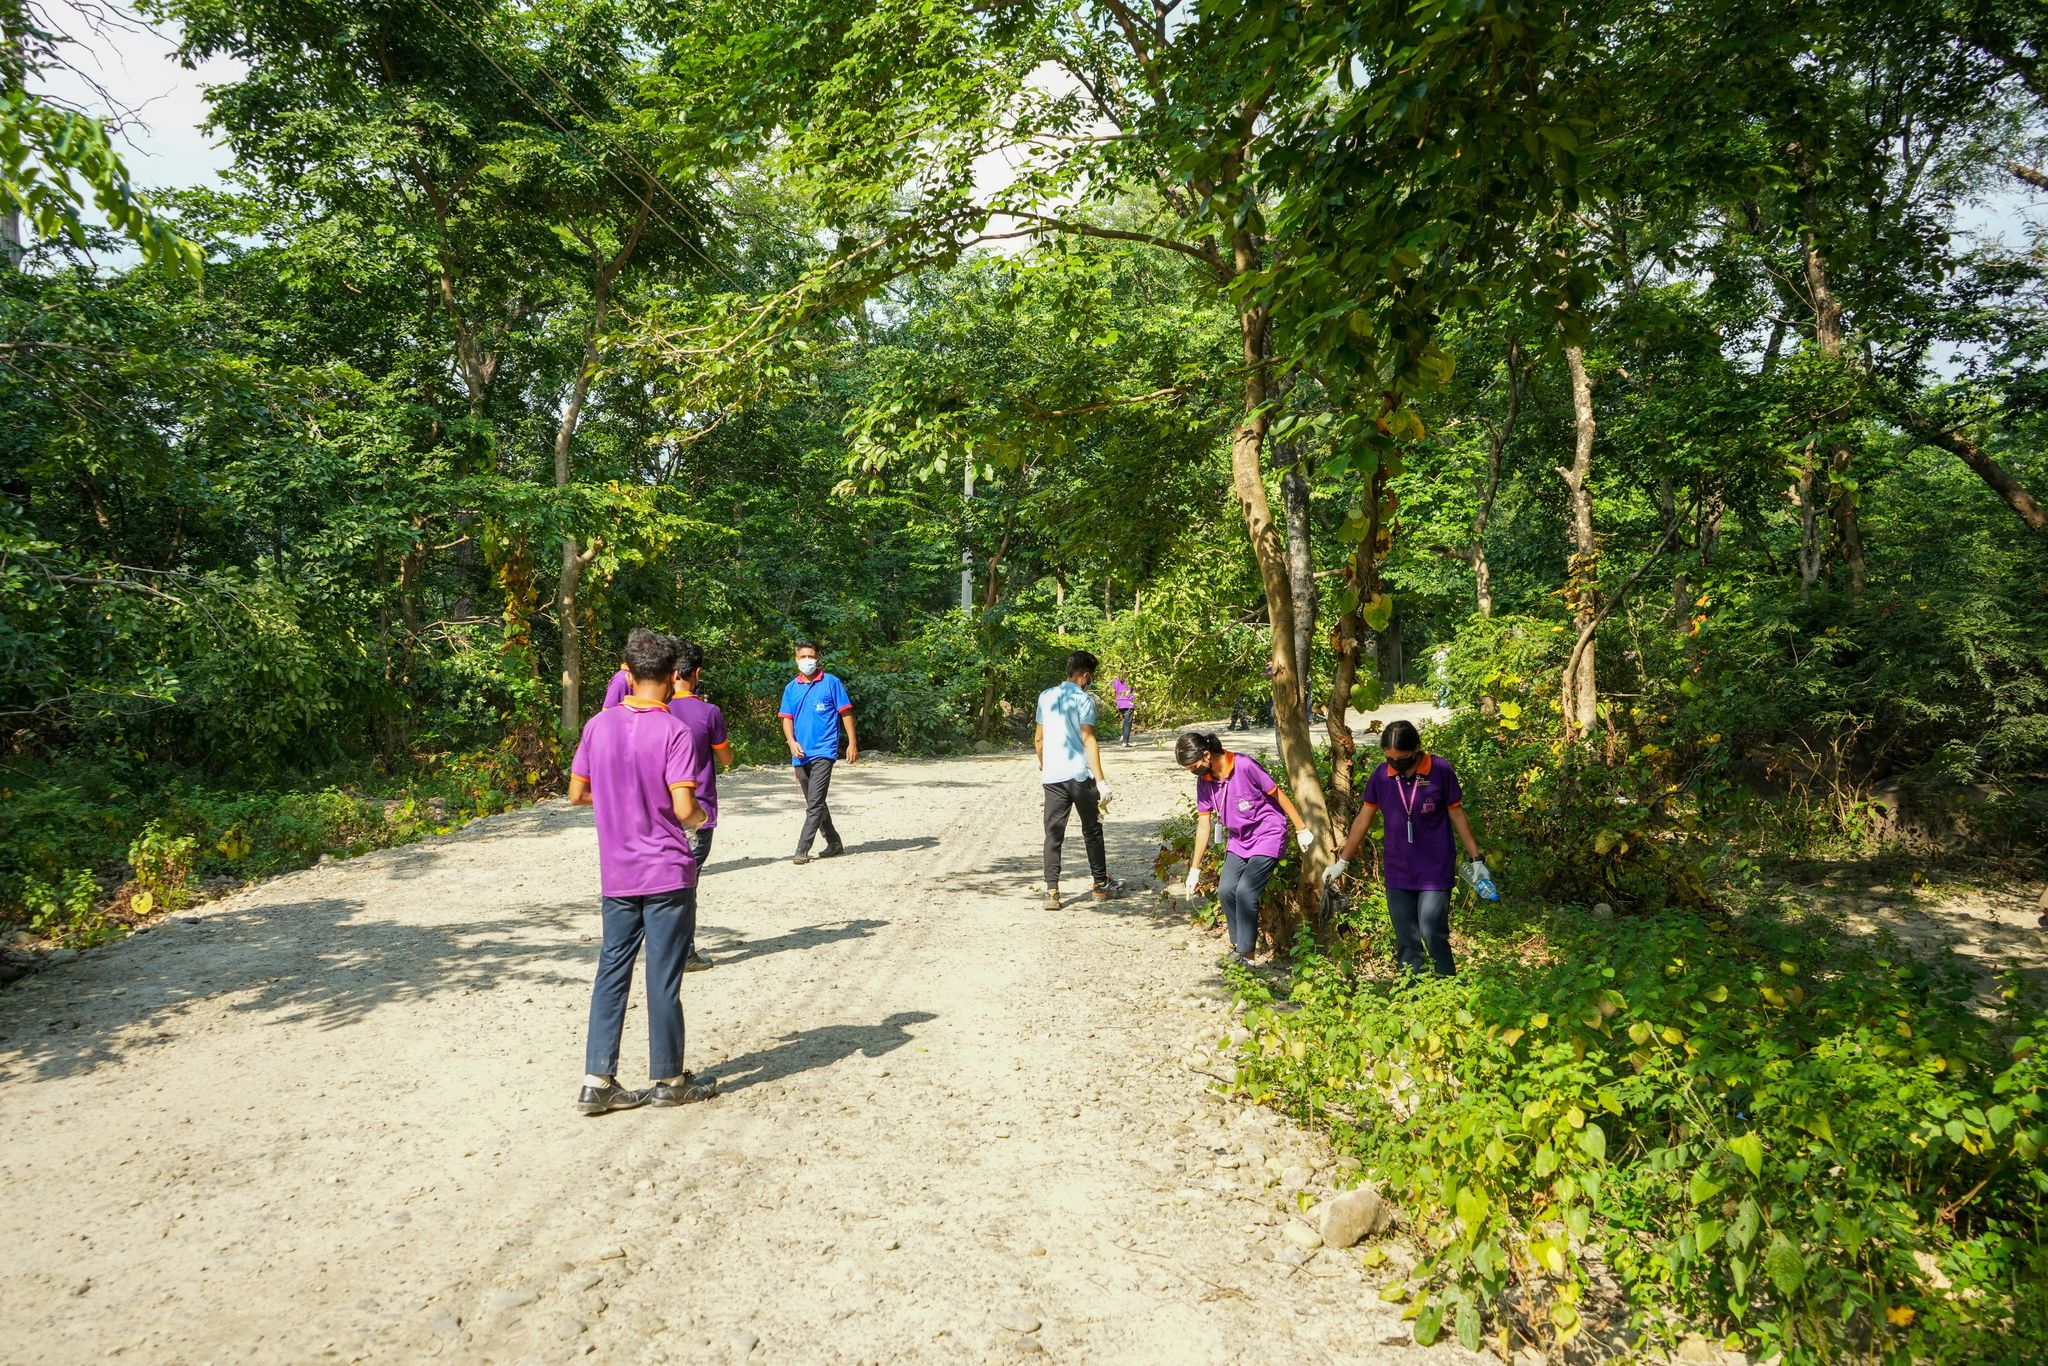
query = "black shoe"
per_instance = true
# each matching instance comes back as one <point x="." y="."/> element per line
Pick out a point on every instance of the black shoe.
<point x="1109" y="889"/>
<point x="800" y="858"/>
<point x="696" y="962"/>
<point x="832" y="850"/>
<point x="602" y="1100"/>
<point x="666" y="1094"/>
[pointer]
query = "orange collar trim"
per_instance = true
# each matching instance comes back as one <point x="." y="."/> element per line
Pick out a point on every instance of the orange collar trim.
<point x="1421" y="769"/>
<point x="640" y="703"/>
<point x="1226" y="764"/>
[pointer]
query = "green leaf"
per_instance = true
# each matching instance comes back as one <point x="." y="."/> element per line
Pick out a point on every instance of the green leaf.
<point x="1468" y="1326"/>
<point x="1472" y="1208"/>
<point x="1787" y="1269"/>
<point x="1594" y="1141"/>
<point x="1428" y="1324"/>
<point x="1702" y="1187"/>
<point x="1750" y="1149"/>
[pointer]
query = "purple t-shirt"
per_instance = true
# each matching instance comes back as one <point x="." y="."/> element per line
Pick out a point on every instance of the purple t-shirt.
<point x="1244" y="801"/>
<point x="1124" y="700"/>
<point x="633" y="756"/>
<point x="707" y="728"/>
<point x="618" y="689"/>
<point x="1417" y="813"/>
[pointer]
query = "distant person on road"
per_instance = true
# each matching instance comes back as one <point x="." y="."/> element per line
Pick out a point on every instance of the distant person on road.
<point x="1070" y="772"/>
<point x="1255" y="815"/>
<point x="1126" y="705"/>
<point x="1420" y="797"/>
<point x="621" y="685"/>
<point x="636" y="765"/>
<point x="706" y="724"/>
<point x="814" y="707"/>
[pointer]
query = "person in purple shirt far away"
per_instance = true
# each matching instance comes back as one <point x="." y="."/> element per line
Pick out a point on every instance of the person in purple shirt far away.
<point x="1126" y="705"/>
<point x="1420" y="798"/>
<point x="1255" y="815"/>
<point x="636" y="766"/>
<point x="706" y="724"/>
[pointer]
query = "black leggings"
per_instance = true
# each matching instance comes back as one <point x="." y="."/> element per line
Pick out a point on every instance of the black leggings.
<point x="1239" y="889"/>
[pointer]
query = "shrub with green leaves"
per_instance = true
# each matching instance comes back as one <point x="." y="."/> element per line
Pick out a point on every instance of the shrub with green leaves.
<point x="1756" y="1130"/>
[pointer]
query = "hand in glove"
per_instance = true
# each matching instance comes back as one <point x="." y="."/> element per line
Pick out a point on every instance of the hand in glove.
<point x="1194" y="876"/>
<point x="1335" y="870"/>
<point x="1481" y="878"/>
<point x="1102" y="792"/>
<point x="1305" y="838"/>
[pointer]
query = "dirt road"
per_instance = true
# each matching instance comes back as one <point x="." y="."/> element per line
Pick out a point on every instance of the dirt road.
<point x="331" y="1116"/>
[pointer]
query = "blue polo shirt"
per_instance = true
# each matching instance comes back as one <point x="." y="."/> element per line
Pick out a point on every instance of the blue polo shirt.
<point x="813" y="707"/>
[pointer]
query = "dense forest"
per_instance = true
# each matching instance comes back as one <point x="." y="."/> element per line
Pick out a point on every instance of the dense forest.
<point x="1667" y="386"/>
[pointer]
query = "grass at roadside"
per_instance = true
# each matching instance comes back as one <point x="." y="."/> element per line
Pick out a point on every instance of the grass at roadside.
<point x="87" y="855"/>
<point x="1746" y="1126"/>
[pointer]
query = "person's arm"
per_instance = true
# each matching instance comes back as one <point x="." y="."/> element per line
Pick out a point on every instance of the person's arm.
<point x="796" y="751"/>
<point x="1287" y="807"/>
<point x="1094" y="750"/>
<point x="852" y="740"/>
<point x="1038" y="744"/>
<point x="1464" y="829"/>
<point x="579" y="790"/>
<point x="1201" y="848"/>
<point x="723" y="749"/>
<point x="683" y="796"/>
<point x="1355" y="839"/>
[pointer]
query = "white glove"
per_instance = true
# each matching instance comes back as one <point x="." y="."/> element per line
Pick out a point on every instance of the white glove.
<point x="1194" y="876"/>
<point x="1305" y="838"/>
<point x="1102" y="792"/>
<point x="1336" y="870"/>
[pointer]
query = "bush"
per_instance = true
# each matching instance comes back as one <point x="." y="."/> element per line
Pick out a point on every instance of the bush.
<point x="163" y="864"/>
<point x="1761" y="1130"/>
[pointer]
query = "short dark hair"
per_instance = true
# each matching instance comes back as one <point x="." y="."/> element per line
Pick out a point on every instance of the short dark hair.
<point x="650" y="656"/>
<point x="1400" y="735"/>
<point x="637" y="633"/>
<point x="1081" y="662"/>
<point x="1193" y="744"/>
<point x="803" y="645"/>
<point x="689" y="658"/>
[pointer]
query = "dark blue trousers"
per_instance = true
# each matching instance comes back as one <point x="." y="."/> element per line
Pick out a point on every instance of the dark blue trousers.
<point x="667" y="923"/>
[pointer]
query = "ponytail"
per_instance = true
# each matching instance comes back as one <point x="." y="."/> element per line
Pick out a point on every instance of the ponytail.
<point x="1193" y="744"/>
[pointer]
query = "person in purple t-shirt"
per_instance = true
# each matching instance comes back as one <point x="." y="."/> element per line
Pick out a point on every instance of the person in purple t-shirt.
<point x="714" y="751"/>
<point x="636" y="766"/>
<point x="1126" y="705"/>
<point x="621" y="685"/>
<point x="1255" y="815"/>
<point x="1419" y="795"/>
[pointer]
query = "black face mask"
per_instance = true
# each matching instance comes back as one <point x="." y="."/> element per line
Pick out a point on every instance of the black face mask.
<point x="1406" y="765"/>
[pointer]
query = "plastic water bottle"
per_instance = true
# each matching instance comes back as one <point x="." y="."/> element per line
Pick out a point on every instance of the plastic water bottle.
<point x="1483" y="885"/>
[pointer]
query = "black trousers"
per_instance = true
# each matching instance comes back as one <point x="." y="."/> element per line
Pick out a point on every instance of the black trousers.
<point x="1075" y="794"/>
<point x="816" y="776"/>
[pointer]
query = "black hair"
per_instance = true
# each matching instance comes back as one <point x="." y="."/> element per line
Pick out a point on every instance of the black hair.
<point x="650" y="657"/>
<point x="810" y="645"/>
<point x="1400" y="735"/>
<point x="1081" y="662"/>
<point x="635" y="634"/>
<point x="689" y="658"/>
<point x="1193" y="744"/>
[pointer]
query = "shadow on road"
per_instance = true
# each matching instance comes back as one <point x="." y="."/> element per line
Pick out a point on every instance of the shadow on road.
<point x="808" y="1049"/>
<point x="306" y="964"/>
<point x="809" y="937"/>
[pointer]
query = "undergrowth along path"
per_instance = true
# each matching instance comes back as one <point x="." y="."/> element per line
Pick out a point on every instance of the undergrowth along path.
<point x="332" y="1113"/>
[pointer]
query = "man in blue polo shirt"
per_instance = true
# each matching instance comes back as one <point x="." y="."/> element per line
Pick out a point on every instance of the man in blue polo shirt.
<point x="814" y="707"/>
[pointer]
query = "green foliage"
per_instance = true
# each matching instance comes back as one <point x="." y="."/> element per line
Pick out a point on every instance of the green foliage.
<point x="163" y="866"/>
<point x="1758" y="1129"/>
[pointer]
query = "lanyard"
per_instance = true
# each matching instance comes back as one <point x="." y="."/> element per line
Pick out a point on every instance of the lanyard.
<point x="1407" y="800"/>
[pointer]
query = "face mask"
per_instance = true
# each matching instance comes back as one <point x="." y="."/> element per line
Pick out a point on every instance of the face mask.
<point x="1406" y="765"/>
<point x="807" y="667"/>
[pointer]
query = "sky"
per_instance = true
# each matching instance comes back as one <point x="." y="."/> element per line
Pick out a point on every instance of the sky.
<point x="165" y="147"/>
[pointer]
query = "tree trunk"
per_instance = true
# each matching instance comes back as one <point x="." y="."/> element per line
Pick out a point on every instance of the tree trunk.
<point x="1805" y="494"/>
<point x="1290" y="716"/>
<point x="1981" y="462"/>
<point x="1482" y="568"/>
<point x="1828" y="329"/>
<point x="1301" y="569"/>
<point x="1582" y="569"/>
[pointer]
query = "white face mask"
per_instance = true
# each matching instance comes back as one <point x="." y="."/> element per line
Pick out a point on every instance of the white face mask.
<point x="807" y="666"/>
